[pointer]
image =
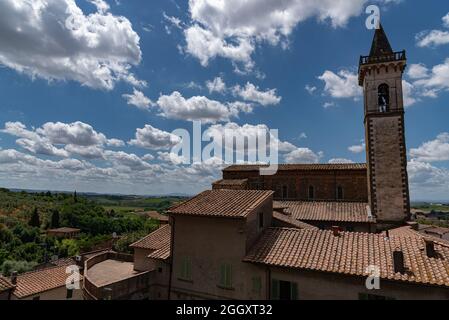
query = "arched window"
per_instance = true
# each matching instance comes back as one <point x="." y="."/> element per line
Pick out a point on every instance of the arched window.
<point x="311" y="193"/>
<point x="339" y="193"/>
<point x="384" y="98"/>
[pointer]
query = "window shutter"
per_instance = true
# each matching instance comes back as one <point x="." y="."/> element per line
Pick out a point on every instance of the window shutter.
<point x="229" y="276"/>
<point x="294" y="291"/>
<point x="274" y="289"/>
<point x="223" y="275"/>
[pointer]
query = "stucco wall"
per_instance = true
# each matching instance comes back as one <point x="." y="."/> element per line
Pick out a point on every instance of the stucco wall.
<point x="55" y="294"/>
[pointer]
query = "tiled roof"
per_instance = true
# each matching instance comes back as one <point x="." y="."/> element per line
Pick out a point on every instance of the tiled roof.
<point x="292" y="221"/>
<point x="231" y="182"/>
<point x="36" y="282"/>
<point x="5" y="284"/>
<point x="350" y="254"/>
<point x="222" y="203"/>
<point x="163" y="253"/>
<point x="327" y="211"/>
<point x="155" y="240"/>
<point x="407" y="231"/>
<point x="155" y="215"/>
<point x="301" y="167"/>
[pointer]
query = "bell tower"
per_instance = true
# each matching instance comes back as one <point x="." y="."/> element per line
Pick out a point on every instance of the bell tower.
<point x="380" y="75"/>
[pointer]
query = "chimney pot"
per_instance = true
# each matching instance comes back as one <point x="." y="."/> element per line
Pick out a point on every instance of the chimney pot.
<point x="414" y="225"/>
<point x="336" y="230"/>
<point x="14" y="277"/>
<point x="430" y="248"/>
<point x="398" y="261"/>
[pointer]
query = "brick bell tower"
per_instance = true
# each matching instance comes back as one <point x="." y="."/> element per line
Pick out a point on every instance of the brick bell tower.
<point x="380" y="75"/>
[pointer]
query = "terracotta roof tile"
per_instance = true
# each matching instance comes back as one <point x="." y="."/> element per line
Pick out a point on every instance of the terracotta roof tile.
<point x="155" y="240"/>
<point x="5" y="284"/>
<point x="292" y="221"/>
<point x="231" y="182"/>
<point x="350" y="254"/>
<point x="327" y="211"/>
<point x="222" y="203"/>
<point x="301" y="167"/>
<point x="36" y="282"/>
<point x="163" y="253"/>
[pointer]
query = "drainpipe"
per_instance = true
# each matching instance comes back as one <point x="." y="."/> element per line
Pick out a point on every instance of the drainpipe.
<point x="172" y="248"/>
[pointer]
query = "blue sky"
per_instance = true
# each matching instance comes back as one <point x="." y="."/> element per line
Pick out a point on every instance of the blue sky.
<point x="91" y="90"/>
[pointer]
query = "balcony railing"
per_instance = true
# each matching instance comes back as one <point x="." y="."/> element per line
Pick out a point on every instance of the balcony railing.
<point x="396" y="56"/>
<point x="121" y="289"/>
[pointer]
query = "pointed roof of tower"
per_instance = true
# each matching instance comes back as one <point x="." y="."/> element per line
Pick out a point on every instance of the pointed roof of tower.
<point x="381" y="46"/>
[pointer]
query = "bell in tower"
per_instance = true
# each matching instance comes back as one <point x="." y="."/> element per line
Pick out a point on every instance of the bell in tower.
<point x="380" y="75"/>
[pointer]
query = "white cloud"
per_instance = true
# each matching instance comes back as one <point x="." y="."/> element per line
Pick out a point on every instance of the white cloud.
<point x="432" y="38"/>
<point x="328" y="105"/>
<point x="232" y="29"/>
<point x="408" y="91"/>
<point x="171" y="158"/>
<point x="150" y="137"/>
<point x="431" y="83"/>
<point x="357" y="148"/>
<point x="428" y="182"/>
<point x="252" y="93"/>
<point x="431" y="151"/>
<point x="303" y="155"/>
<point x="418" y="71"/>
<point x="55" y="40"/>
<point x="342" y="85"/>
<point x="446" y="20"/>
<point x="61" y="139"/>
<point x="175" y="106"/>
<point x="101" y="5"/>
<point x="310" y="89"/>
<point x="216" y="85"/>
<point x="138" y="99"/>
<point x="340" y="160"/>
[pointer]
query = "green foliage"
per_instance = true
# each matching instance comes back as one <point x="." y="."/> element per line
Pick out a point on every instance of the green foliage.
<point x="7" y="267"/>
<point x="55" y="219"/>
<point x="35" y="220"/>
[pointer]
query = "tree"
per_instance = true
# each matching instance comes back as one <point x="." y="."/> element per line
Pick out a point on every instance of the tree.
<point x="75" y="198"/>
<point x="35" y="221"/>
<point x="55" y="219"/>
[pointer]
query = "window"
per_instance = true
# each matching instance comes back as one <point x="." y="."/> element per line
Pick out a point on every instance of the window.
<point x="226" y="276"/>
<point x="367" y="296"/>
<point x="186" y="269"/>
<point x="159" y="270"/>
<point x="257" y="285"/>
<point x="283" y="290"/>
<point x="384" y="98"/>
<point x="261" y="224"/>
<point x="339" y="193"/>
<point x="311" y="193"/>
<point x="69" y="294"/>
<point x="284" y="192"/>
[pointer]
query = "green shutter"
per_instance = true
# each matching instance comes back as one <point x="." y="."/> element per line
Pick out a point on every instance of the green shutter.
<point x="275" y="289"/>
<point x="294" y="291"/>
<point x="257" y="285"/>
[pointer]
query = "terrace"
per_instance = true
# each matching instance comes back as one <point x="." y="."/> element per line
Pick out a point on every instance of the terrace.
<point x="111" y="276"/>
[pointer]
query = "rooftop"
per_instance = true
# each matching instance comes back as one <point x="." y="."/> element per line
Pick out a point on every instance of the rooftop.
<point x="335" y="211"/>
<point x="155" y="215"/>
<point x="36" y="282"/>
<point x="155" y="240"/>
<point x="350" y="254"/>
<point x="292" y="221"/>
<point x="222" y="203"/>
<point x="5" y="284"/>
<point x="110" y="271"/>
<point x="301" y="167"/>
<point x="231" y="182"/>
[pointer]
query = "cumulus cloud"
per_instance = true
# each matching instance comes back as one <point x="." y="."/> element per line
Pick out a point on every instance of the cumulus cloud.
<point x="310" y="89"/>
<point x="432" y="38"/>
<point x="303" y="155"/>
<point x="216" y="85"/>
<point x="61" y="139"/>
<point x="343" y="84"/>
<point x="417" y="71"/>
<point x="357" y="148"/>
<point x="56" y="40"/>
<point x="340" y="160"/>
<point x="428" y="82"/>
<point x="252" y="93"/>
<point x="150" y="137"/>
<point x="427" y="181"/>
<point x="232" y="29"/>
<point x="138" y="99"/>
<point x="431" y="151"/>
<point x="175" y="106"/>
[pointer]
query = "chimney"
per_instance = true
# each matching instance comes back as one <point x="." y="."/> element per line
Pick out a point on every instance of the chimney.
<point x="336" y="230"/>
<point x="413" y="225"/>
<point x="430" y="248"/>
<point x="387" y="234"/>
<point x="398" y="261"/>
<point x="14" y="277"/>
